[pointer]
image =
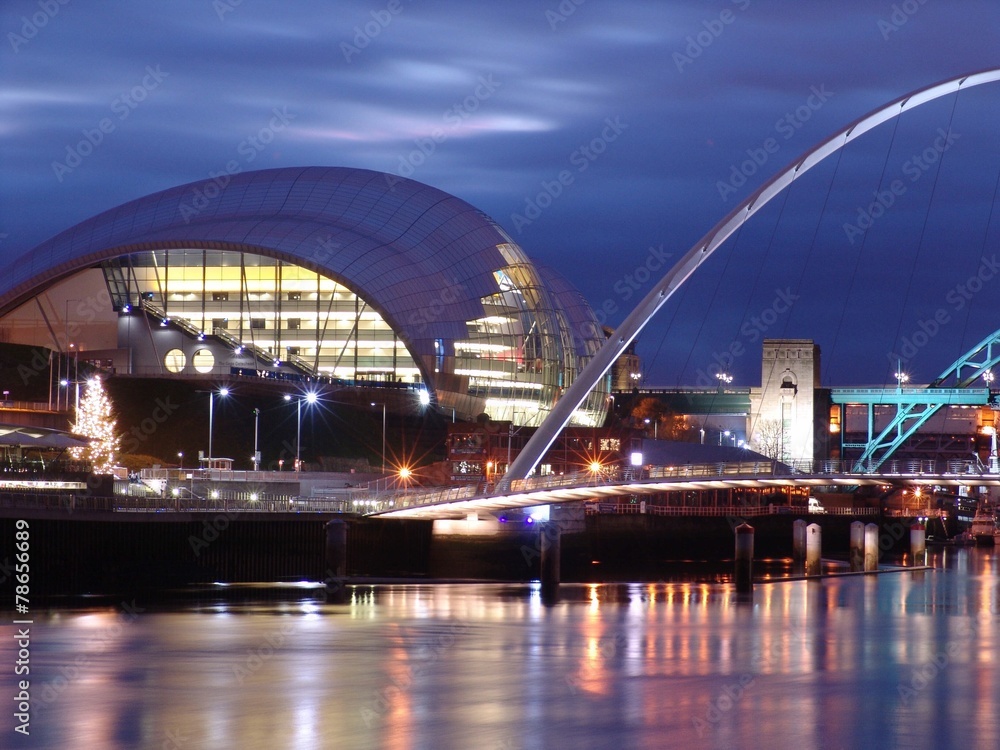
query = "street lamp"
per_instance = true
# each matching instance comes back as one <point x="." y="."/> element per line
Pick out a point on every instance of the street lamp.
<point x="310" y="398"/>
<point x="76" y="406"/>
<point x="901" y="377"/>
<point x="382" y="404"/>
<point x="724" y="432"/>
<point x="223" y="392"/>
<point x="180" y="459"/>
<point x="595" y="468"/>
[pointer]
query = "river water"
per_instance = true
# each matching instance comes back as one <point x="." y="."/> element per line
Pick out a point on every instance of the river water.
<point x="896" y="660"/>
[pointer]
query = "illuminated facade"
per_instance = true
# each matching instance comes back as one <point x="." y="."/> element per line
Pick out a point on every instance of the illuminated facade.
<point x="325" y="273"/>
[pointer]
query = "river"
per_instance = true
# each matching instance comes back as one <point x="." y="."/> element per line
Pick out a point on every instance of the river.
<point x="895" y="660"/>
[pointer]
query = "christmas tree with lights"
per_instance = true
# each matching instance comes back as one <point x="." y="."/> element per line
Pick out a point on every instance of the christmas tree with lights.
<point x="96" y="423"/>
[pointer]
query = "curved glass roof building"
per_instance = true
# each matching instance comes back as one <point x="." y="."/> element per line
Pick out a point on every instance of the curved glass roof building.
<point x="336" y="273"/>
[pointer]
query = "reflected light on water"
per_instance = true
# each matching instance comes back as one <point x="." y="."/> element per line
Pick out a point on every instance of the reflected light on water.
<point x="896" y="660"/>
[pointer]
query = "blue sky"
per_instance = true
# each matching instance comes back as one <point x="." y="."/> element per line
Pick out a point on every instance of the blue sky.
<point x="629" y="121"/>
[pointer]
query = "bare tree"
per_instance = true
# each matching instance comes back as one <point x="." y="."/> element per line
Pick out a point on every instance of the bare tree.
<point x="767" y="438"/>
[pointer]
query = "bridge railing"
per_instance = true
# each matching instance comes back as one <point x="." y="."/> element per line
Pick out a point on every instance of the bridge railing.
<point x="370" y="501"/>
<point x="734" y="511"/>
<point x="71" y="503"/>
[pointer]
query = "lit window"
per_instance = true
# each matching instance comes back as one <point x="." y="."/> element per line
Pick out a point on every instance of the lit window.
<point x="174" y="360"/>
<point x="203" y="361"/>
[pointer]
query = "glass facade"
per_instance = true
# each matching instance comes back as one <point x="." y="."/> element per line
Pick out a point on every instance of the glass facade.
<point x="514" y="360"/>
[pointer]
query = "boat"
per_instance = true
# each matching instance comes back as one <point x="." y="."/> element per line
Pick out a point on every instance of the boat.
<point x="983" y="528"/>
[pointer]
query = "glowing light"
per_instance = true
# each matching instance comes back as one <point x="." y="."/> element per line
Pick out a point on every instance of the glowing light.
<point x="425" y="398"/>
<point x="404" y="472"/>
<point x="595" y="466"/>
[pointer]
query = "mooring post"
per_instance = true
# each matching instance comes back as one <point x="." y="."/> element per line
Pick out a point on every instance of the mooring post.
<point x="336" y="559"/>
<point x="814" y="549"/>
<point x="857" y="553"/>
<point x="744" y="559"/>
<point x="918" y="544"/>
<point x="871" y="547"/>
<point x="798" y="541"/>
<point x="551" y="549"/>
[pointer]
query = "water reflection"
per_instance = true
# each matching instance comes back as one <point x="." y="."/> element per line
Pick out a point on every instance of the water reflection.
<point x="896" y="660"/>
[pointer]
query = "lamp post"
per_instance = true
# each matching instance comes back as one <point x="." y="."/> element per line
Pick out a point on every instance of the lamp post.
<point x="310" y="398"/>
<point x="382" y="404"/>
<point x="256" y="453"/>
<point x="725" y="433"/>
<point x="655" y="424"/>
<point x="901" y="377"/>
<point x="994" y="465"/>
<point x="67" y="346"/>
<point x="180" y="459"/>
<point x="65" y="383"/>
<point x="223" y="392"/>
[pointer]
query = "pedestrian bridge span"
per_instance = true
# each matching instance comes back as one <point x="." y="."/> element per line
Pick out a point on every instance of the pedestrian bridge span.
<point x="459" y="502"/>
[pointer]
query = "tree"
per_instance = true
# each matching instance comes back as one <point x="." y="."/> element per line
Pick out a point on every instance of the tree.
<point x="663" y="423"/>
<point x="95" y="421"/>
<point x="767" y="439"/>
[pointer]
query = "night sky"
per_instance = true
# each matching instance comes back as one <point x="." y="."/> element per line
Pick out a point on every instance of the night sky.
<point x="605" y="137"/>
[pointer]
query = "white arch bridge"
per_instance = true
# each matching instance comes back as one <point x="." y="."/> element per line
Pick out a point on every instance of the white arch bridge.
<point x="910" y="414"/>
